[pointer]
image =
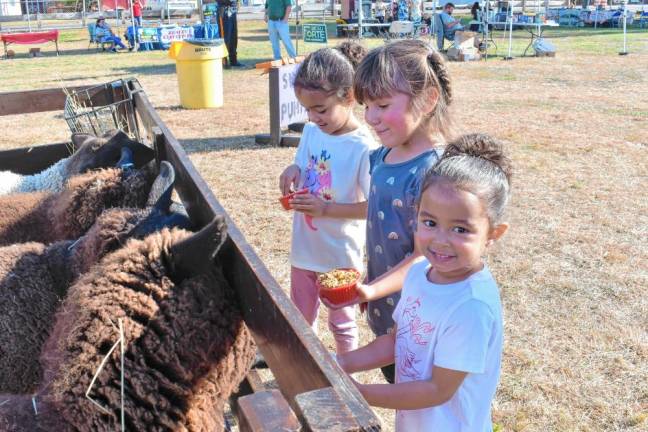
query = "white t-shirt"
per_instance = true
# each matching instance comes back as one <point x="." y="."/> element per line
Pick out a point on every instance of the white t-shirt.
<point x="335" y="168"/>
<point x="455" y="326"/>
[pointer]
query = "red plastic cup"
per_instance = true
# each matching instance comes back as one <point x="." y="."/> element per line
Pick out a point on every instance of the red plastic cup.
<point x="340" y="294"/>
<point x="285" y="200"/>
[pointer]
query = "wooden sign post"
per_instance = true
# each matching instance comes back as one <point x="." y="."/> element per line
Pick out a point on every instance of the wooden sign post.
<point x="285" y="109"/>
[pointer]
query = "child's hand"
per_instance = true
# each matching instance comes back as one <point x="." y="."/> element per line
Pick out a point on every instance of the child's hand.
<point x="289" y="177"/>
<point x="365" y="292"/>
<point x="309" y="204"/>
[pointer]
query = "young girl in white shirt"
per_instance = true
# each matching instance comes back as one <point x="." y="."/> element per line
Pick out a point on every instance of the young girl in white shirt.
<point x="447" y="342"/>
<point x="332" y="162"/>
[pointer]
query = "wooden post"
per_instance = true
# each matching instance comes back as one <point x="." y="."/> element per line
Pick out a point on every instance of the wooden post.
<point x="275" y="129"/>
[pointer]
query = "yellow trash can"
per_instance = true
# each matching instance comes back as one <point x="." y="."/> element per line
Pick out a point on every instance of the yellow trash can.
<point x="199" y="66"/>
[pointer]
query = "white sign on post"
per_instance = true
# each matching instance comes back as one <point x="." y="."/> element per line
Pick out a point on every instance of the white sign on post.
<point x="170" y="34"/>
<point x="290" y="110"/>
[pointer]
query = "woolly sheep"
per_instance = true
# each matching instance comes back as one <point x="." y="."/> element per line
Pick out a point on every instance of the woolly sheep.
<point x="187" y="348"/>
<point x="45" y="218"/>
<point x="34" y="278"/>
<point x="92" y="153"/>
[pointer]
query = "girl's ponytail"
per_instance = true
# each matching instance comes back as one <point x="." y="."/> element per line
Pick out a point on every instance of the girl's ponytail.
<point x="441" y="71"/>
<point x="478" y="164"/>
<point x="353" y="51"/>
<point x="481" y="146"/>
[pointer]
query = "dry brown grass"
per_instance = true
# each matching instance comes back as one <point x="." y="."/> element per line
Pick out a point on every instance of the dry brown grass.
<point x="572" y="270"/>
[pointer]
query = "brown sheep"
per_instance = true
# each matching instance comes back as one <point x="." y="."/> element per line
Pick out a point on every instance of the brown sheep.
<point x="46" y="218"/>
<point x="34" y="279"/>
<point x="187" y="348"/>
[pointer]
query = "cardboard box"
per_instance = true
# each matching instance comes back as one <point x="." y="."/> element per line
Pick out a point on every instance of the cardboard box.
<point x="464" y="39"/>
<point x="453" y="53"/>
<point x="469" y="57"/>
<point x="465" y="54"/>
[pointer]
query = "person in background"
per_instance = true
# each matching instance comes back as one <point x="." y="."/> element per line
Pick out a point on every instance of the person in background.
<point x="276" y="15"/>
<point x="105" y="34"/>
<point x="450" y="24"/>
<point x="403" y="10"/>
<point x="415" y="11"/>
<point x="380" y="7"/>
<point x="475" y="12"/>
<point x="137" y="12"/>
<point x="228" y="23"/>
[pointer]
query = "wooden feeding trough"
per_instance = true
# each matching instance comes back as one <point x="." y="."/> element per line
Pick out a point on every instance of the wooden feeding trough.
<point x="314" y="393"/>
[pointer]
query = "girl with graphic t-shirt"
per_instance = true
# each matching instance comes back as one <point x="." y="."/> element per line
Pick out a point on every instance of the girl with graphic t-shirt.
<point x="332" y="162"/>
<point x="447" y="342"/>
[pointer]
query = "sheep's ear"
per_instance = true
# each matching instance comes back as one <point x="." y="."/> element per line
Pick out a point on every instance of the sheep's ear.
<point x="78" y="139"/>
<point x="141" y="153"/>
<point x="194" y="254"/>
<point x="160" y="195"/>
<point x="157" y="220"/>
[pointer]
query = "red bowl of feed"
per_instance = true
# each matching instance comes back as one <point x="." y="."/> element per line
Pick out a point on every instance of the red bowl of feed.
<point x="338" y="286"/>
<point x="285" y="200"/>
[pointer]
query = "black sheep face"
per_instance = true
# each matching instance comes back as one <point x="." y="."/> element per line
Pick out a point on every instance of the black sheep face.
<point x="101" y="152"/>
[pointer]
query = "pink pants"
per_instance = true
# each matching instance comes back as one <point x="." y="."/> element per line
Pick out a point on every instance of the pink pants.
<point x="341" y="322"/>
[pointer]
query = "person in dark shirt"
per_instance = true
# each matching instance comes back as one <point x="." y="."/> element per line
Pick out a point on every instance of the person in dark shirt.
<point x="227" y="22"/>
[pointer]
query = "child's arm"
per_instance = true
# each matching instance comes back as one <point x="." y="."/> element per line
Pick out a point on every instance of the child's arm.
<point x="315" y="206"/>
<point x="389" y="282"/>
<point x="415" y="394"/>
<point x="379" y="353"/>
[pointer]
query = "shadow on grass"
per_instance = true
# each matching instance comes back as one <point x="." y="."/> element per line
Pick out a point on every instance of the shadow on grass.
<point x="216" y="144"/>
<point x="566" y="33"/>
<point x="165" y="69"/>
<point x="259" y="38"/>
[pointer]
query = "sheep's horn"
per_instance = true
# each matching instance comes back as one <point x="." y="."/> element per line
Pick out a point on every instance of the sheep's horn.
<point x="160" y="195"/>
<point x="126" y="160"/>
<point x="194" y="254"/>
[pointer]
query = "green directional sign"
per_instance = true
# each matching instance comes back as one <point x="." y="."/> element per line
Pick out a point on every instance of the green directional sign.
<point x="315" y="33"/>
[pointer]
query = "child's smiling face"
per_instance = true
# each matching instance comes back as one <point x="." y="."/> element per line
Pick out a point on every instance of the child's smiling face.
<point x="453" y="232"/>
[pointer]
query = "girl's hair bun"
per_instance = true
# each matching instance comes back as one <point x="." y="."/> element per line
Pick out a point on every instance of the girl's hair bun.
<point x="353" y="51"/>
<point x="481" y="146"/>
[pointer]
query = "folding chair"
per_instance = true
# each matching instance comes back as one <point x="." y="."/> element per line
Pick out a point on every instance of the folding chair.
<point x="96" y="37"/>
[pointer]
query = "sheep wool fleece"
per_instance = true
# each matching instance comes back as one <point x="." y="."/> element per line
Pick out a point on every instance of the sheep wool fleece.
<point x="45" y="218"/>
<point x="34" y="280"/>
<point x="51" y="179"/>
<point x="187" y="347"/>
